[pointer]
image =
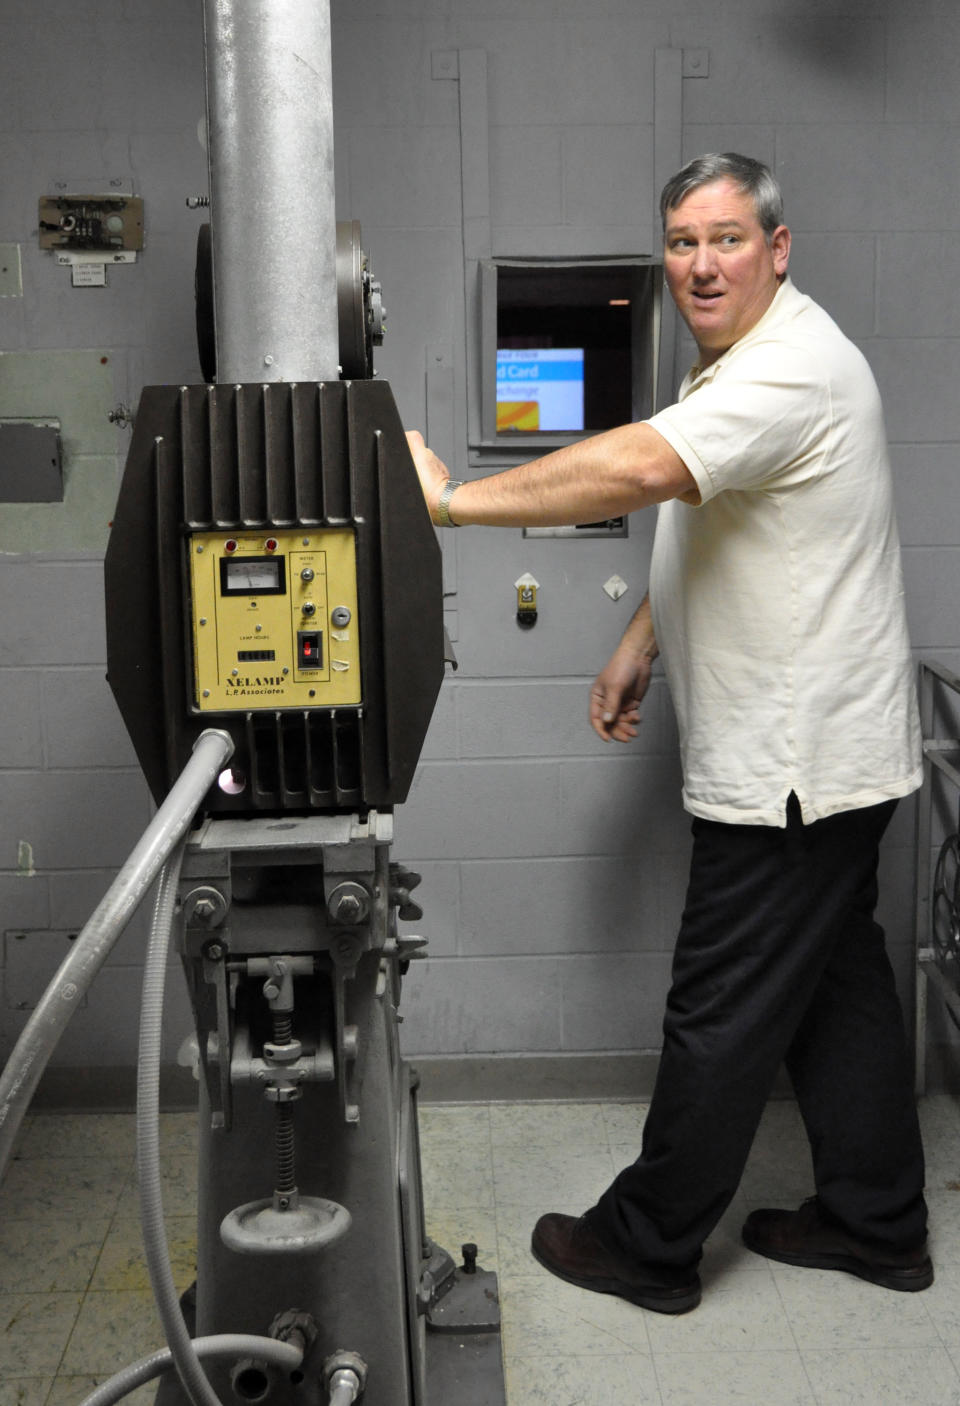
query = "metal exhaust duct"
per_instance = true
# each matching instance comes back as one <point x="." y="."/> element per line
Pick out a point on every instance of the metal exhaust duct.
<point x="270" y="153"/>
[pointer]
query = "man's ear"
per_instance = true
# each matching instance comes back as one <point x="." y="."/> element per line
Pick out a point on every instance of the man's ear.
<point x="780" y="249"/>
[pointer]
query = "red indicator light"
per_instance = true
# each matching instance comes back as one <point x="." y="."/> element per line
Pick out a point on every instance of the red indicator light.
<point x="230" y="546"/>
<point x="271" y="544"/>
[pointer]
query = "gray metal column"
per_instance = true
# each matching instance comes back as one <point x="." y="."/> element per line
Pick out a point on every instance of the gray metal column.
<point x="270" y="125"/>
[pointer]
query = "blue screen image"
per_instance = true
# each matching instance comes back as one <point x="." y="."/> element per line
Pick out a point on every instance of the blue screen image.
<point x="540" y="389"/>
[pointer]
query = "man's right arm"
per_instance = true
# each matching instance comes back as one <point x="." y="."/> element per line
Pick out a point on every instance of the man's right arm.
<point x="619" y="688"/>
<point x="602" y="476"/>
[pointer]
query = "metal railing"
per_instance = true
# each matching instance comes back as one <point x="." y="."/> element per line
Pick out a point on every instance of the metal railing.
<point x="937" y="929"/>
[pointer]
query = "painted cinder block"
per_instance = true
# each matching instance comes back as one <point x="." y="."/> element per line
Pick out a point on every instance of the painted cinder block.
<point x="438" y="895"/>
<point x="835" y="271"/>
<point x="608" y="177"/>
<point x="925" y="482"/>
<point x="100" y="316"/>
<point x="571" y="72"/>
<point x="13" y="75"/>
<point x="614" y="1002"/>
<point x="900" y="832"/>
<point x="913" y="298"/>
<point x="24" y="899"/>
<point x="82" y="722"/>
<point x="53" y="611"/>
<point x="921" y="58"/>
<point x="479" y="809"/>
<point x="75" y="386"/>
<point x="526" y="175"/>
<point x="870" y="176"/>
<point x="12" y="314"/>
<point x="177" y="164"/>
<point x="75" y="896"/>
<point x="592" y="904"/>
<point x="31" y="959"/>
<point x="917" y="379"/>
<point x="152" y="84"/>
<point x="104" y="1031"/>
<point x="398" y="48"/>
<point x="409" y="176"/>
<point x="489" y="810"/>
<point x="673" y="870"/>
<point x="896" y="910"/>
<point x="628" y="806"/>
<point x="441" y="740"/>
<point x="20" y="736"/>
<point x="800" y="66"/>
<point x="71" y="820"/>
<point x="476" y="1006"/>
<point x="80" y="523"/>
<point x="541" y="718"/>
<point x="421" y="271"/>
<point x="168" y="80"/>
<point x="578" y="625"/>
<point x="758" y="140"/>
<point x="932" y="582"/>
<point x="170" y="345"/>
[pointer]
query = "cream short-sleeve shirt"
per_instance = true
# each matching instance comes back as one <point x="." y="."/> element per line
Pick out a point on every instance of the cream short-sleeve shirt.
<point x="778" y="600"/>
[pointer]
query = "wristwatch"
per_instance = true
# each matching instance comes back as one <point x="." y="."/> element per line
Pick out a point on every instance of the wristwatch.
<point x="443" y="502"/>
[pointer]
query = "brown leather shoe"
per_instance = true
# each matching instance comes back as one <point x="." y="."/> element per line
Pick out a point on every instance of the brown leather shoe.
<point x="568" y="1247"/>
<point x="807" y="1238"/>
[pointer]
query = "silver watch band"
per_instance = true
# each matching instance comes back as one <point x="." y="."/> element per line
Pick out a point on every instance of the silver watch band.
<point x="443" y="502"/>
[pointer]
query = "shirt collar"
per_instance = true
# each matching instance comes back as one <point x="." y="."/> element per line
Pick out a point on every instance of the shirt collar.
<point x="782" y="306"/>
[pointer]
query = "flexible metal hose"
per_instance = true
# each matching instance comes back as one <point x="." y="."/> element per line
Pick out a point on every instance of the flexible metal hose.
<point x="286" y="1356"/>
<point x="42" y="1032"/>
<point x="344" y="1388"/>
<point x="191" y="1373"/>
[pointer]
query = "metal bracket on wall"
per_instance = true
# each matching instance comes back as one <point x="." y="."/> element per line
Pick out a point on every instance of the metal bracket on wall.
<point x="88" y="232"/>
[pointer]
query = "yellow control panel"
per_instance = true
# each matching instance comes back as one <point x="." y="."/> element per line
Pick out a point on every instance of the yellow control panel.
<point x="274" y="619"/>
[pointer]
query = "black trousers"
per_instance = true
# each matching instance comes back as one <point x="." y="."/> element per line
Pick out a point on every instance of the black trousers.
<point x="779" y="959"/>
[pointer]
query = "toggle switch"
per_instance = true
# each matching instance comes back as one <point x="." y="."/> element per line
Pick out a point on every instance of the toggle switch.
<point x="309" y="649"/>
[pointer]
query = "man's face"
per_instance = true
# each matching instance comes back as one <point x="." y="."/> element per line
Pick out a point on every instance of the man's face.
<point x="720" y="267"/>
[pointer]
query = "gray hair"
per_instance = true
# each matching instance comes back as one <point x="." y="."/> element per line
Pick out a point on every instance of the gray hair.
<point x="751" y="178"/>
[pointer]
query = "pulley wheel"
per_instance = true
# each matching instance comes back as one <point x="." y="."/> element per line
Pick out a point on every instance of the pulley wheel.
<point x="360" y="315"/>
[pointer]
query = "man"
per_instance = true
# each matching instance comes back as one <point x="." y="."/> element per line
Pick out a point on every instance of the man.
<point x="776" y="603"/>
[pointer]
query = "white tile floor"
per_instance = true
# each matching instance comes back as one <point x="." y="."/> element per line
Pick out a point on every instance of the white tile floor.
<point x="74" y="1302"/>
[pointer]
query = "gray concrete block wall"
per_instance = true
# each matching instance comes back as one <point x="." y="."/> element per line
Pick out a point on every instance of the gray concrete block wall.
<point x="115" y="94"/>
<point x="74" y="803"/>
<point x="553" y="866"/>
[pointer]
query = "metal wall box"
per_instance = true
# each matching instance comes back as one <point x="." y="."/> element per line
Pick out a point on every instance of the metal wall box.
<point x="31" y="468"/>
<point x="91" y="223"/>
